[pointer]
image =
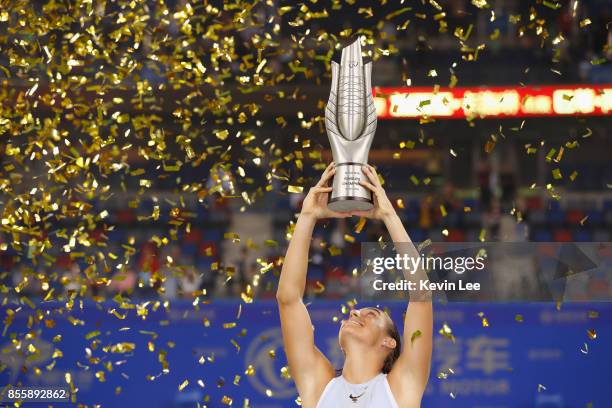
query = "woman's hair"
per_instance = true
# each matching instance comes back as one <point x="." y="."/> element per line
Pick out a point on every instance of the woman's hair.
<point x="395" y="353"/>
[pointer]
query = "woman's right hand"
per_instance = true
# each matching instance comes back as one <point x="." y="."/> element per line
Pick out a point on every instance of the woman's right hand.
<point x="315" y="203"/>
<point x="383" y="209"/>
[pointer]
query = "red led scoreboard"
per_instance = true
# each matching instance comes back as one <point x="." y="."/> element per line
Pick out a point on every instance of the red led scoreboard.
<point x="462" y="102"/>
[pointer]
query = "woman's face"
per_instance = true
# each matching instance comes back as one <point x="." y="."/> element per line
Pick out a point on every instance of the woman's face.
<point x="367" y="325"/>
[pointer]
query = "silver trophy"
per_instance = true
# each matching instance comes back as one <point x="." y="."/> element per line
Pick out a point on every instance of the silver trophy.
<point x="350" y="120"/>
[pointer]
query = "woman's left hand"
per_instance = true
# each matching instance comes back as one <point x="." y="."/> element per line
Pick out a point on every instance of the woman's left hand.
<point x="383" y="209"/>
<point x="315" y="203"/>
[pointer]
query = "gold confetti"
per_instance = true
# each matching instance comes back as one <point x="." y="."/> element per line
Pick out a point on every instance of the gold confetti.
<point x="334" y="251"/>
<point x="285" y="373"/>
<point x="416" y="334"/>
<point x="480" y="3"/>
<point x="592" y="334"/>
<point x="360" y="224"/>
<point x="320" y="288"/>
<point x="397" y="13"/>
<point x="349" y="238"/>
<point x="447" y="332"/>
<point x="295" y="189"/>
<point x="552" y="5"/>
<point x="202" y="74"/>
<point x="443" y="210"/>
<point x="573" y="176"/>
<point x="485" y="321"/>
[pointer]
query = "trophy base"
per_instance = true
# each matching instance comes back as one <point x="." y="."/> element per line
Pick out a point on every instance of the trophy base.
<point x="348" y="194"/>
<point x="346" y="204"/>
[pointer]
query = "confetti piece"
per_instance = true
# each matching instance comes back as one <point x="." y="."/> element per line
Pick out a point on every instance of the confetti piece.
<point x="334" y="251"/>
<point x="295" y="189"/>
<point x="360" y="224"/>
<point x="585" y="348"/>
<point x="443" y="210"/>
<point x="593" y="314"/>
<point x="592" y="334"/>
<point x="552" y="5"/>
<point x="480" y="3"/>
<point x="416" y="334"/>
<point x="320" y="288"/>
<point x="447" y="332"/>
<point x="485" y="322"/>
<point x="284" y="371"/>
<point x="408" y="144"/>
<point x="573" y="176"/>
<point x="397" y="13"/>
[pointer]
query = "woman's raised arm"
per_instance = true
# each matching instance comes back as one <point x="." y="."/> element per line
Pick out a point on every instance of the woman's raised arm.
<point x="410" y="373"/>
<point x="308" y="366"/>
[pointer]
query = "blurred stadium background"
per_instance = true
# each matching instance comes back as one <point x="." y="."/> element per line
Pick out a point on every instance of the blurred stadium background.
<point x="206" y="236"/>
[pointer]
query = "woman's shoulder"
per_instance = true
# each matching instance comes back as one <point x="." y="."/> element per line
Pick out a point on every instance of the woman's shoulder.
<point x="321" y="387"/>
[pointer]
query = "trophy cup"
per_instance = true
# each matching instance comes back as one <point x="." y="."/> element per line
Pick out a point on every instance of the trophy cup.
<point x="350" y="121"/>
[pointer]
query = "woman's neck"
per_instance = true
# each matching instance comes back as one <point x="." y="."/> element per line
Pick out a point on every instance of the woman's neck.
<point x="360" y="367"/>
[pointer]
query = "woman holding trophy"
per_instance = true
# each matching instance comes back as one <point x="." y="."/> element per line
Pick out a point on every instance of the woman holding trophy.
<point x="377" y="371"/>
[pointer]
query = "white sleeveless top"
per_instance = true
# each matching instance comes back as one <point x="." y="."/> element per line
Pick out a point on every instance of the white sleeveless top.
<point x="375" y="393"/>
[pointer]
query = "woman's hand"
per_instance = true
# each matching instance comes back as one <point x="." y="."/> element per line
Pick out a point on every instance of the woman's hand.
<point x="383" y="209"/>
<point x="315" y="203"/>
